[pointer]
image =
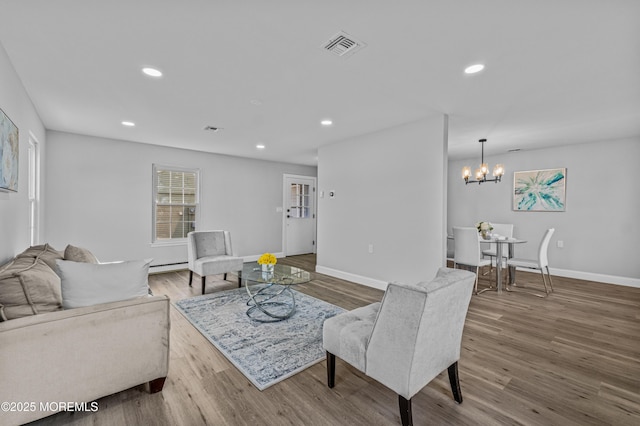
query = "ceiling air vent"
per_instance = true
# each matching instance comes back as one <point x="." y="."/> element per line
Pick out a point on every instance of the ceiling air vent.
<point x="212" y="128"/>
<point x="342" y="44"/>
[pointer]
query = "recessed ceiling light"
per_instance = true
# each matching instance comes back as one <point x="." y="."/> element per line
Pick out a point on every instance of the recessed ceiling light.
<point x="326" y="122"/>
<point x="474" y="69"/>
<point x="260" y="146"/>
<point x="152" y="72"/>
<point x="256" y="102"/>
<point x="128" y="123"/>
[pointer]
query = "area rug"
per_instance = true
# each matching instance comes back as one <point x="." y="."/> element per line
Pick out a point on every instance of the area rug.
<point x="266" y="353"/>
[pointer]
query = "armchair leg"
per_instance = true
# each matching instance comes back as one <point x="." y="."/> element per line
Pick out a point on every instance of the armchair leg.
<point x="331" y="369"/>
<point x="455" y="382"/>
<point x="225" y="276"/>
<point x="156" y="385"/>
<point x="190" y="277"/>
<point x="203" y="283"/>
<point x="405" y="411"/>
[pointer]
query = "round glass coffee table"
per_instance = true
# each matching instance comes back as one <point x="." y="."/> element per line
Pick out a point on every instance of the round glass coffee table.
<point x="270" y="295"/>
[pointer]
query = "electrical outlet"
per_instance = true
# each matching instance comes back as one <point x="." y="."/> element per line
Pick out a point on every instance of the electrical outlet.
<point x="560" y="244"/>
<point x="370" y="248"/>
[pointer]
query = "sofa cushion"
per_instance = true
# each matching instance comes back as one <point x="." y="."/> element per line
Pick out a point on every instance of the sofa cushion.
<point x="44" y="252"/>
<point x="28" y="286"/>
<point x="86" y="284"/>
<point x="79" y="254"/>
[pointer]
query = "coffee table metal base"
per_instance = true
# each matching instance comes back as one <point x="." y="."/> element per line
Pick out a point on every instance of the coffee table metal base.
<point x="271" y="302"/>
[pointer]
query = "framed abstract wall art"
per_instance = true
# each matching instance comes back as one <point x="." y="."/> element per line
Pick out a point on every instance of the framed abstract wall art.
<point x="8" y="154"/>
<point x="540" y="190"/>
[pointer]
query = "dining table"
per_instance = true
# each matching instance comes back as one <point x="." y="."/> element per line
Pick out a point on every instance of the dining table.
<point x="500" y="243"/>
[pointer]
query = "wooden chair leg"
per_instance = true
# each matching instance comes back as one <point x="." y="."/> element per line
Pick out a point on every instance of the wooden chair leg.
<point x="331" y="370"/>
<point x="225" y="276"/>
<point x="455" y="382"/>
<point x="405" y="411"/>
<point x="190" y="277"/>
<point x="203" y="283"/>
<point x="156" y="385"/>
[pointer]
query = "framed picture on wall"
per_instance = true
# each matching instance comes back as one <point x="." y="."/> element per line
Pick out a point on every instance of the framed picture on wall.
<point x="540" y="190"/>
<point x="8" y="154"/>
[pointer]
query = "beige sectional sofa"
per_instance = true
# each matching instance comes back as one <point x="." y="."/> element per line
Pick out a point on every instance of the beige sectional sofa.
<point x="52" y="359"/>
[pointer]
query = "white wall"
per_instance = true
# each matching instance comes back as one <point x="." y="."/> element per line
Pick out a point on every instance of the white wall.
<point x="100" y="197"/>
<point x="600" y="227"/>
<point x="389" y="192"/>
<point x="14" y="207"/>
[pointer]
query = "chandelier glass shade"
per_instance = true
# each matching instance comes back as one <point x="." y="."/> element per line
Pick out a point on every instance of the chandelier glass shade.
<point x="482" y="171"/>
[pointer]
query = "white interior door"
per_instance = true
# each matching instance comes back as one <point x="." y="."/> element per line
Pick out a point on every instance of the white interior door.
<point x="299" y="214"/>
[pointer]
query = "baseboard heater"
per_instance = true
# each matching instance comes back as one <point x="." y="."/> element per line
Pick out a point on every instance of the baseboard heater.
<point x="167" y="267"/>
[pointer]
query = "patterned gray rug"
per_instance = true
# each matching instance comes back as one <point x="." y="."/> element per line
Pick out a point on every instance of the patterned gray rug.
<point x="265" y="353"/>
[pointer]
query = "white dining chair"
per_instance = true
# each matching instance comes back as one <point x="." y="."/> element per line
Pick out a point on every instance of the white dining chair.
<point x="450" y="251"/>
<point x="466" y="249"/>
<point x="541" y="264"/>
<point x="503" y="230"/>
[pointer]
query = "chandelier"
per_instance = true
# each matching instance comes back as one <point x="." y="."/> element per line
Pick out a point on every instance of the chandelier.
<point x="483" y="170"/>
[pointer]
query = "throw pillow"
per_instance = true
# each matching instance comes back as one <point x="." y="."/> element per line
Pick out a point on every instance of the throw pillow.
<point x="86" y="284"/>
<point x="28" y="286"/>
<point x="78" y="254"/>
<point x="43" y="252"/>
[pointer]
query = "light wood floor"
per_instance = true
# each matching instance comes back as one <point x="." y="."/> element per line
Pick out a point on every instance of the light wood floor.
<point x="570" y="359"/>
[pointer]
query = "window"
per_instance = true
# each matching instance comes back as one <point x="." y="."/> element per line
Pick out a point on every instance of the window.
<point x="175" y="195"/>
<point x="34" y="189"/>
<point x="299" y="201"/>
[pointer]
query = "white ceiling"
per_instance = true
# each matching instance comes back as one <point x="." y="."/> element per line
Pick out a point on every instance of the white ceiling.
<point x="557" y="71"/>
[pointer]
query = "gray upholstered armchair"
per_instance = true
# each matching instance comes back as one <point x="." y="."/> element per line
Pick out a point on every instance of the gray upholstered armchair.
<point x="210" y="253"/>
<point x="406" y="340"/>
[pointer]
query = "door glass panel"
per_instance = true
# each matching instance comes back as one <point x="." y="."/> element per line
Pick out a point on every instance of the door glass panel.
<point x="299" y="201"/>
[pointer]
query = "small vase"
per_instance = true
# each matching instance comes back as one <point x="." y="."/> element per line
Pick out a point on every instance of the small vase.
<point x="485" y="235"/>
<point x="268" y="267"/>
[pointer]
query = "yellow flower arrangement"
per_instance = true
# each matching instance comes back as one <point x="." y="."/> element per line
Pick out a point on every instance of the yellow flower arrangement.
<point x="267" y="259"/>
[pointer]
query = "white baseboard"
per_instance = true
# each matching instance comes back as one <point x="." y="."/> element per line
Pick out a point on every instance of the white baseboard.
<point x="254" y="257"/>
<point x="359" y="279"/>
<point x="587" y="276"/>
<point x="601" y="278"/>
<point x="157" y="269"/>
<point x="181" y="266"/>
